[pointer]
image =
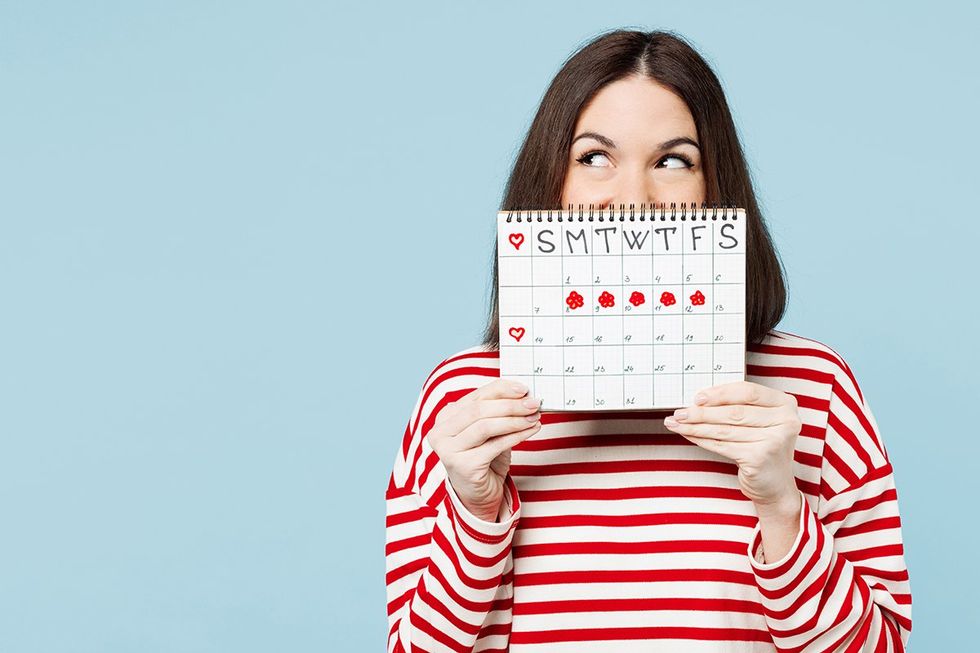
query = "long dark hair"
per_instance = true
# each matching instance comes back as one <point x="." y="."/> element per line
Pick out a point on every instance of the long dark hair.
<point x="665" y="57"/>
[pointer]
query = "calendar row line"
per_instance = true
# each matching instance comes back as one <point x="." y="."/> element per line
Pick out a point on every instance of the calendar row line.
<point x="564" y="330"/>
<point x="620" y="392"/>
<point x="613" y="270"/>
<point x="615" y="300"/>
<point x="644" y="359"/>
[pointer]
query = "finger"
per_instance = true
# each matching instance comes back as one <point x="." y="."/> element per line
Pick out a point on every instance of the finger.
<point x="502" y="388"/>
<point x="719" y="447"/>
<point x="496" y="389"/>
<point x="736" y="414"/>
<point x="489" y="428"/>
<point x="724" y="432"/>
<point x="463" y="415"/>
<point x="740" y="392"/>
<point x="496" y="446"/>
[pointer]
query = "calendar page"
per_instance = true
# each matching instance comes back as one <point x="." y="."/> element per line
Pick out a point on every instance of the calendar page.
<point x="620" y="311"/>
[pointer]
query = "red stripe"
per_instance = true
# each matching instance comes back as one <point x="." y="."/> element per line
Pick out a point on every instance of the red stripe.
<point x="422" y="512"/>
<point x="819" y="404"/>
<point x="436" y="380"/>
<point x="875" y="552"/>
<point x="788" y="564"/>
<point x="842" y="468"/>
<point x="870" y="526"/>
<point x="807" y="487"/>
<point x="473" y="558"/>
<point x="803" y="373"/>
<point x="817" y="352"/>
<point x="406" y="569"/>
<point x="395" y="604"/>
<point x="640" y="633"/>
<point x="457" y="520"/>
<point x="407" y="543"/>
<point x="562" y="417"/>
<point x="631" y="440"/>
<point x="808" y="459"/>
<point x="424" y="626"/>
<point x="446" y="612"/>
<point x="857" y="644"/>
<point x="474" y="583"/>
<point x="394" y="492"/>
<point x="625" y="467"/>
<point x="849" y="436"/>
<point x="604" y="548"/>
<point x="828" y="578"/>
<point x="869" y="503"/>
<point x="898" y="576"/>
<point x="651" y="519"/>
<point x="446" y="399"/>
<point x="457" y="598"/>
<point x="634" y="576"/>
<point x="618" y="494"/>
<point x="637" y="605"/>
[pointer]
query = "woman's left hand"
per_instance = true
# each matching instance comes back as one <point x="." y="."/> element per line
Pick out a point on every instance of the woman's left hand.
<point x="754" y="426"/>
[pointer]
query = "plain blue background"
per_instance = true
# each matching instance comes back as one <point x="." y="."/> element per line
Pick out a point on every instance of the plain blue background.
<point x="236" y="237"/>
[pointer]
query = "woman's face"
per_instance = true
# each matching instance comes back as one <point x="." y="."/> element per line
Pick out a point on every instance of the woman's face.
<point x="634" y="143"/>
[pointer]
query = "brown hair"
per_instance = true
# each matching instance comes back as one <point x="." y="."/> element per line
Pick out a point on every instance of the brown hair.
<point x="665" y="57"/>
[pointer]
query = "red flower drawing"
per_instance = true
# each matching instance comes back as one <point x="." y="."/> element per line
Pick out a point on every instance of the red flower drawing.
<point x="574" y="300"/>
<point x="667" y="299"/>
<point x="637" y="298"/>
<point x="606" y="299"/>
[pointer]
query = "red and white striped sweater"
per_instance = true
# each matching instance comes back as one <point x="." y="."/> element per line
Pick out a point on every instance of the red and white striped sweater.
<point x="623" y="536"/>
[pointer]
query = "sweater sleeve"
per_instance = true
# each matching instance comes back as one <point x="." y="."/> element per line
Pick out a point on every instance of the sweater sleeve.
<point x="445" y="567"/>
<point x="843" y="586"/>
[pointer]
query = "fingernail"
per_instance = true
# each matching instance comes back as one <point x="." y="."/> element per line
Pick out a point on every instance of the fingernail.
<point x="670" y="421"/>
<point x="534" y="417"/>
<point x="531" y="402"/>
<point x="681" y="414"/>
<point x="700" y="398"/>
<point x="519" y="388"/>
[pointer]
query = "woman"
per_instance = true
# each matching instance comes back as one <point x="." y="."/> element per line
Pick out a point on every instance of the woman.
<point x="762" y="518"/>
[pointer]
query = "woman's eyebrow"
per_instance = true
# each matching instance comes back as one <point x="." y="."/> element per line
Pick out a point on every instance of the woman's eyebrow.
<point x="666" y="145"/>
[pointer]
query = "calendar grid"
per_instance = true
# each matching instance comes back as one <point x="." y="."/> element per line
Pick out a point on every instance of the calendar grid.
<point x="533" y="287"/>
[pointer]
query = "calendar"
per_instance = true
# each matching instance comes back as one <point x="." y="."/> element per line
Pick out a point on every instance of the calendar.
<point x="617" y="309"/>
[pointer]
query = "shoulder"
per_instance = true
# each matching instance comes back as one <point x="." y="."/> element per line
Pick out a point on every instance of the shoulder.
<point x="448" y="380"/>
<point x="796" y="356"/>
<point x="829" y="395"/>
<point x="451" y="378"/>
<point x="461" y="372"/>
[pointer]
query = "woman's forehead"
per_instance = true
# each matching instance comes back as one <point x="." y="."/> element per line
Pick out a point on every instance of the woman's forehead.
<point x="637" y="111"/>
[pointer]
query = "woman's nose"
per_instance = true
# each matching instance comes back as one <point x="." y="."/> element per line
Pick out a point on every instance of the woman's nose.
<point x="634" y="188"/>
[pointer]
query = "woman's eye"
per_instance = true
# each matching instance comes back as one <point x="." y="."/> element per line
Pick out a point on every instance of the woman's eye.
<point x="685" y="163"/>
<point x="586" y="158"/>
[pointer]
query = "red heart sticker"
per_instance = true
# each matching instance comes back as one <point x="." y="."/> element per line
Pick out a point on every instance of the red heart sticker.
<point x="517" y="333"/>
<point x="516" y="240"/>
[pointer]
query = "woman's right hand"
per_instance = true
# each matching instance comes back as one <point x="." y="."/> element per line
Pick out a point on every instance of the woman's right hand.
<point x="473" y="437"/>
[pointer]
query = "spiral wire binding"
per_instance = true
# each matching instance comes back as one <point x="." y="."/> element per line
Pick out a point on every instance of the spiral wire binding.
<point x="685" y="214"/>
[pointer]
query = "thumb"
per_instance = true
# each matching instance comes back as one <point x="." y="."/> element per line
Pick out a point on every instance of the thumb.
<point x="501" y="464"/>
